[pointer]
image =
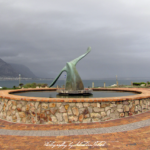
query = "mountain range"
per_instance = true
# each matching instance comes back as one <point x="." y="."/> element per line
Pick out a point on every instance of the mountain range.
<point x="13" y="70"/>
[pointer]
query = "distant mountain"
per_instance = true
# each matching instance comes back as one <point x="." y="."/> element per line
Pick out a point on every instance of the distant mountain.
<point x="6" y="70"/>
<point x="23" y="70"/>
<point x="13" y="70"/>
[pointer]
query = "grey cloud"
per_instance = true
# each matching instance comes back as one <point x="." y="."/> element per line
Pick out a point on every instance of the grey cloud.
<point x="44" y="35"/>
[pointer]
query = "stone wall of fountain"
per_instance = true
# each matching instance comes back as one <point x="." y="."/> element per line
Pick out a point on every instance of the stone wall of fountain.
<point x="62" y="113"/>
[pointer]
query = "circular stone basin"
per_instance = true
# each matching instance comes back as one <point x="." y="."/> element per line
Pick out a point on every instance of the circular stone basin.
<point x="54" y="94"/>
<point x="40" y="110"/>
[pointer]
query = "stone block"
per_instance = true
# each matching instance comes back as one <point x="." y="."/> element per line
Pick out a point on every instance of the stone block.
<point x="14" y="107"/>
<point x="1" y="107"/>
<point x="112" y="110"/>
<point x="36" y="104"/>
<point x="8" y="113"/>
<point x="53" y="110"/>
<point x="66" y="106"/>
<point x="139" y="108"/>
<point x="23" y="103"/>
<point x="137" y="102"/>
<point x="49" y="122"/>
<point x="98" y="105"/>
<point x="33" y="114"/>
<point x="81" y="116"/>
<point x="132" y="109"/>
<point x="85" y="111"/>
<point x="90" y="109"/>
<point x="62" y="109"/>
<point x="9" y="118"/>
<point x="59" y="117"/>
<point x="14" y="117"/>
<point x="120" y="110"/>
<point x="9" y="103"/>
<point x="126" y="108"/>
<point x="32" y="109"/>
<point x="148" y="103"/>
<point x="44" y="106"/>
<point x="75" y="111"/>
<point x="105" y="118"/>
<point x="65" y="117"/>
<point x="103" y="114"/>
<point x="4" y="108"/>
<point x="73" y="118"/>
<point x="119" y="102"/>
<point x="130" y="113"/>
<point x="5" y="100"/>
<point x="33" y="121"/>
<point x="126" y="114"/>
<point x="144" y="102"/>
<point x="42" y="115"/>
<point x="27" y="107"/>
<point x="19" y="109"/>
<point x="13" y="112"/>
<point x="96" y="109"/>
<point x="143" y="106"/>
<point x="58" y="104"/>
<point x="69" y="111"/>
<point x="79" y="105"/>
<point x="121" y="114"/>
<point x="9" y="107"/>
<point x="94" y="104"/>
<point x="23" y="108"/>
<point x="52" y="105"/>
<point x="108" y="112"/>
<point x="136" y="108"/>
<point x="95" y="120"/>
<point x="81" y="110"/>
<point x="95" y="115"/>
<point x="18" y="120"/>
<point x="47" y="112"/>
<point x="54" y="119"/>
<point x="112" y="116"/>
<point x="107" y="108"/>
<point x="87" y="116"/>
<point x="14" y="103"/>
<point x="119" y="106"/>
<point x="88" y="120"/>
<point x="105" y="104"/>
<point x="72" y="104"/>
<point x="125" y="103"/>
<point x="49" y="118"/>
<point x="22" y="114"/>
<point x="32" y="104"/>
<point x="113" y="105"/>
<point x="86" y="104"/>
<point x="141" y="103"/>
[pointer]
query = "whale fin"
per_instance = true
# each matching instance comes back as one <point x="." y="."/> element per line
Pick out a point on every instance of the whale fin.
<point x="64" y="69"/>
<point x="75" y="61"/>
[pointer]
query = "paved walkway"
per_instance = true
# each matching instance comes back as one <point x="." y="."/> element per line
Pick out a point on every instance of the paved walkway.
<point x="125" y="134"/>
<point x="121" y="128"/>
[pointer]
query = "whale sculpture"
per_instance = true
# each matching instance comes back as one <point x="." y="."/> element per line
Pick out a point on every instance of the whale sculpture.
<point x="73" y="80"/>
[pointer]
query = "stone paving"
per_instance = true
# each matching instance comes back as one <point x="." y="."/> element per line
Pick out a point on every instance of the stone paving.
<point x="121" y="128"/>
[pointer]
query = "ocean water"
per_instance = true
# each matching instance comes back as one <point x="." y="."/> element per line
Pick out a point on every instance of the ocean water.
<point x="87" y="83"/>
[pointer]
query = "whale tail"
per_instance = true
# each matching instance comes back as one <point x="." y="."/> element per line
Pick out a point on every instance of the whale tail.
<point x="73" y="62"/>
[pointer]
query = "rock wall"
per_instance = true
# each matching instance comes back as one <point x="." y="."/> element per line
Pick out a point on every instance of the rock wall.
<point x="21" y="111"/>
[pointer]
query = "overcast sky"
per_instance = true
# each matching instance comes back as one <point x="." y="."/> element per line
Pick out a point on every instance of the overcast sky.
<point x="45" y="34"/>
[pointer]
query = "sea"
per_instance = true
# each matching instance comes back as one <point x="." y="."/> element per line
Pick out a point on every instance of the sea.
<point x="87" y="83"/>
